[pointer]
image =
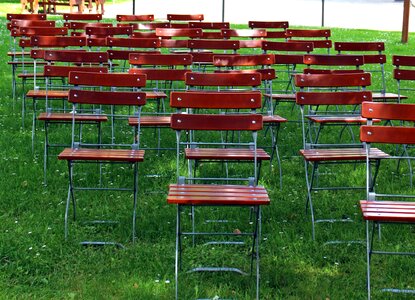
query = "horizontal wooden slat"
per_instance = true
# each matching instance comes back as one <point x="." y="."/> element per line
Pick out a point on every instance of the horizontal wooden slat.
<point x="341" y="154"/>
<point x="102" y="155"/>
<point x="67" y="117"/>
<point x="225" y="154"/>
<point x="217" y="195"/>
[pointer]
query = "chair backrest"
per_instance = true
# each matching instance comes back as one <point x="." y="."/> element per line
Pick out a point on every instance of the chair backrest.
<point x="271" y="27"/>
<point x="16" y="23"/>
<point x="185" y="17"/>
<point x="143" y="43"/>
<point x="404" y="74"/>
<point x="57" y="41"/>
<point x="10" y="17"/>
<point x="82" y="17"/>
<point x="319" y="37"/>
<point x="373" y="56"/>
<point x="135" y="18"/>
<point x="168" y="60"/>
<point x="248" y="38"/>
<point x="333" y="99"/>
<point x="332" y="63"/>
<point x="108" y="31"/>
<point x="209" y="25"/>
<point x="105" y="91"/>
<point x="73" y="56"/>
<point x="76" y="25"/>
<point x="30" y="31"/>
<point x="217" y="80"/>
<point x="179" y="32"/>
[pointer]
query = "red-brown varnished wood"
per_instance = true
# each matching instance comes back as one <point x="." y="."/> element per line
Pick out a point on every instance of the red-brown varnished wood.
<point x="57" y="41"/>
<point x="143" y="34"/>
<point x="333" y="98"/>
<point x="332" y="80"/>
<point x="134" y="43"/>
<point x="110" y="79"/>
<point x="161" y="74"/>
<point x="209" y="25"/>
<point x="325" y="44"/>
<point x="26" y="16"/>
<point x="403" y="60"/>
<point x="308" y="32"/>
<point x="84" y="154"/>
<point x="288" y="46"/>
<point x="242" y="60"/>
<point x="96" y="41"/>
<point x="185" y="17"/>
<point x="153" y="25"/>
<point x="388" y="211"/>
<point x="179" y="32"/>
<point x="212" y="35"/>
<point x="74" y="25"/>
<point x="333" y="60"/>
<point x="339" y="154"/>
<point x="337" y="119"/>
<point x="251" y="43"/>
<point x="76" y="56"/>
<point x="266" y="73"/>
<point x="223" y="79"/>
<point x="55" y="94"/>
<point x="388" y="111"/>
<point x="82" y="17"/>
<point x="107" y="98"/>
<point x="359" y="46"/>
<point x="216" y="100"/>
<point x="273" y="119"/>
<point x="268" y="24"/>
<point x="68" y="117"/>
<point x="387" y="134"/>
<point x="208" y="194"/>
<point x="27" y="23"/>
<point x="252" y="122"/>
<point x="251" y="33"/>
<point x="225" y="154"/>
<point x="213" y="44"/>
<point x="63" y="71"/>
<point x="29" y="31"/>
<point x="168" y="43"/>
<point x="402" y="74"/>
<point x="108" y="31"/>
<point x="292" y="59"/>
<point x="125" y="54"/>
<point x="161" y="59"/>
<point x="151" y="121"/>
<point x="135" y="18"/>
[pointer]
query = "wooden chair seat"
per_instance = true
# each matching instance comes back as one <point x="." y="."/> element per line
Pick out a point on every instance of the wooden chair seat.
<point x="151" y="121"/>
<point x="155" y="95"/>
<point x="273" y="119"/>
<point x="225" y="154"/>
<point x="209" y="194"/>
<point x="56" y="94"/>
<point x="388" y="211"/>
<point x="67" y="117"/>
<point x="280" y="97"/>
<point x="341" y="154"/>
<point x="387" y="97"/>
<point x="125" y="155"/>
<point x="337" y="119"/>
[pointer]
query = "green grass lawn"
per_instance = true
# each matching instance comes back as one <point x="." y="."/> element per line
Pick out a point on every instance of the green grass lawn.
<point x="36" y="262"/>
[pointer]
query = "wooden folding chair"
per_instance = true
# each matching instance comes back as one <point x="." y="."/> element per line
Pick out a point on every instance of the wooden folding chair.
<point x="388" y="204"/>
<point x="275" y="29"/>
<point x="260" y="63"/>
<point x="337" y="97"/>
<point x="165" y="73"/>
<point x="319" y="37"/>
<point x="175" y="39"/>
<point x="121" y="90"/>
<point x="248" y="38"/>
<point x="189" y="193"/>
